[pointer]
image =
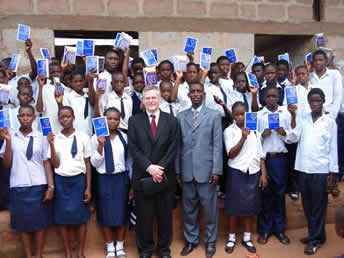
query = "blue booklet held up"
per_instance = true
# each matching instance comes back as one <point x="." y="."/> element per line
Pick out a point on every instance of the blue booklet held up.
<point x="101" y="84"/>
<point x="150" y="75"/>
<point x="5" y="118"/>
<point x="4" y="93"/>
<point x="91" y="62"/>
<point x="155" y="53"/>
<point x="291" y="95"/>
<point x="43" y="67"/>
<point x="252" y="80"/>
<point x="79" y="48"/>
<point x="88" y="47"/>
<point x="149" y="58"/>
<point x="232" y="56"/>
<point x="190" y="44"/>
<point x="101" y="126"/>
<point x="23" y="32"/>
<point x="308" y="58"/>
<point x="285" y="57"/>
<point x="45" y="125"/>
<point x="207" y="50"/>
<point x="101" y="63"/>
<point x="45" y="53"/>
<point x="69" y="55"/>
<point x="273" y="120"/>
<point x="58" y="86"/>
<point x="204" y="61"/>
<point x="251" y="120"/>
<point x="14" y="62"/>
<point x="118" y="36"/>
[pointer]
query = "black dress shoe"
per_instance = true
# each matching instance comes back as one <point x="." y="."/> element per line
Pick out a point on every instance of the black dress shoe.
<point x="304" y="240"/>
<point x="145" y="256"/>
<point x="251" y="248"/>
<point x="311" y="249"/>
<point x="165" y="256"/>
<point x="230" y="249"/>
<point x="283" y="238"/>
<point x="263" y="238"/>
<point x="210" y="250"/>
<point x="188" y="248"/>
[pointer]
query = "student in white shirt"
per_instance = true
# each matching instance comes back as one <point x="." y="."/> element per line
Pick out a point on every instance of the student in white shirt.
<point x="116" y="98"/>
<point x="329" y="81"/>
<point x="165" y="71"/>
<point x="316" y="160"/>
<point x="69" y="153"/>
<point x="225" y="66"/>
<point x="165" y="103"/>
<point x="136" y="96"/>
<point x="282" y="73"/>
<point x="272" y="219"/>
<point x="110" y="158"/>
<point x="246" y="177"/>
<point x="270" y="74"/>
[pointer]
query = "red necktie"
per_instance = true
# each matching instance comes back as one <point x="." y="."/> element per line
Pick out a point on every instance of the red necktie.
<point x="153" y="125"/>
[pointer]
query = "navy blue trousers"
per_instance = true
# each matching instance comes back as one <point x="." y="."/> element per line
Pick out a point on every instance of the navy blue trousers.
<point x="340" y="139"/>
<point x="272" y="218"/>
<point x="314" y="202"/>
<point x="4" y="187"/>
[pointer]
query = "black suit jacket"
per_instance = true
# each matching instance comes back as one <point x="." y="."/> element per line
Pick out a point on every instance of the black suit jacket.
<point x="136" y="104"/>
<point x="158" y="151"/>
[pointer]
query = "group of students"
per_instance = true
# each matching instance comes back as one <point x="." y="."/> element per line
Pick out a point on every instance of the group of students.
<point x="258" y="167"/>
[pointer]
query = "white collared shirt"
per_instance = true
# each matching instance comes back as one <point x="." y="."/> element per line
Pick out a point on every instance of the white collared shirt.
<point x="14" y="88"/>
<point x="98" y="161"/>
<point x="165" y="107"/>
<point x="250" y="154"/>
<point x="183" y="98"/>
<point x="236" y="96"/>
<point x="78" y="103"/>
<point x="157" y="115"/>
<point x="302" y="99"/>
<point x="317" y="147"/>
<point x="286" y="83"/>
<point x="26" y="172"/>
<point x="275" y="143"/>
<point x="331" y="84"/>
<point x="113" y="100"/>
<point x="212" y="90"/>
<point x="15" y="121"/>
<point x="70" y="166"/>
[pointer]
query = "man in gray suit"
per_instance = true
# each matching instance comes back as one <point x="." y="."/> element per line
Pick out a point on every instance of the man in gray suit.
<point x="198" y="165"/>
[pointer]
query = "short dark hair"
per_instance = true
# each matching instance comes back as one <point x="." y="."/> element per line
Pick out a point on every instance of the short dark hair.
<point x="192" y="64"/>
<point x="240" y="73"/>
<point x="26" y="106"/>
<point x="77" y="72"/>
<point x="239" y="104"/>
<point x="220" y="58"/>
<point x="319" y="52"/>
<point x="301" y="67"/>
<point x="283" y="62"/>
<point x="258" y="64"/>
<point x="270" y="87"/>
<point x="167" y="82"/>
<point x="165" y="62"/>
<point x="316" y="91"/>
<point x="111" y="109"/>
<point x="271" y="65"/>
<point x="195" y="83"/>
<point x="65" y="108"/>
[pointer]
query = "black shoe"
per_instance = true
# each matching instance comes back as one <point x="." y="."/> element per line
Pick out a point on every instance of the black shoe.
<point x="304" y="240"/>
<point x="251" y="248"/>
<point x="311" y="249"/>
<point x="210" y="249"/>
<point x="294" y="195"/>
<point x="230" y="249"/>
<point x="188" y="248"/>
<point x="283" y="238"/>
<point x="165" y="256"/>
<point x="145" y="256"/>
<point x="263" y="238"/>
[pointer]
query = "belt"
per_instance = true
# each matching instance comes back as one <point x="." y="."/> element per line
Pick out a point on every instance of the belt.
<point x="275" y="154"/>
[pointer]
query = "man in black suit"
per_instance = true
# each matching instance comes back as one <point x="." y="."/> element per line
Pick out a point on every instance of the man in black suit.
<point x="152" y="138"/>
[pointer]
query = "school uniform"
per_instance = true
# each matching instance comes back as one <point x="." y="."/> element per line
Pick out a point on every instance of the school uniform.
<point x="331" y="84"/>
<point x="83" y="111"/>
<point x="171" y="108"/>
<point x="222" y="91"/>
<point x="112" y="179"/>
<point x="4" y="184"/>
<point x="13" y="96"/>
<point x="28" y="182"/>
<point x="316" y="156"/>
<point x="15" y="120"/>
<point x="124" y="104"/>
<point x="272" y="218"/>
<point x="281" y="93"/>
<point x="340" y="135"/>
<point x="137" y="99"/>
<point x="182" y="97"/>
<point x="160" y="81"/>
<point x="243" y="196"/>
<point x="245" y="97"/>
<point x="70" y="179"/>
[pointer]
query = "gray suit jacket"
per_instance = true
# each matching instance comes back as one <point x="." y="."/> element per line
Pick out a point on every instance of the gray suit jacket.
<point x="199" y="152"/>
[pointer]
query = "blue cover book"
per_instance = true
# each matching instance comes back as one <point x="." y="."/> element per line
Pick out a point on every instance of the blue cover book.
<point x="308" y="58"/>
<point x="101" y="84"/>
<point x="252" y="80"/>
<point x="150" y="75"/>
<point x="5" y="118"/>
<point x="43" y="67"/>
<point x="100" y="126"/>
<point x="45" y="125"/>
<point x="155" y="53"/>
<point x="231" y="54"/>
<point x="118" y="37"/>
<point x="101" y="63"/>
<point x="92" y="62"/>
<point x="251" y="120"/>
<point x="207" y="50"/>
<point x="291" y="95"/>
<point x="190" y="44"/>
<point x="205" y="61"/>
<point x="58" y="86"/>
<point x="284" y="57"/>
<point x="79" y="48"/>
<point x="14" y="62"/>
<point x="149" y="58"/>
<point x="23" y="32"/>
<point x="88" y="47"/>
<point x="45" y="53"/>
<point x="273" y="120"/>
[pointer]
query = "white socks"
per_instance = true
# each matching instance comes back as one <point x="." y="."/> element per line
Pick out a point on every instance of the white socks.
<point x="247" y="237"/>
<point x="232" y="239"/>
<point x="110" y="247"/>
<point x="120" y="248"/>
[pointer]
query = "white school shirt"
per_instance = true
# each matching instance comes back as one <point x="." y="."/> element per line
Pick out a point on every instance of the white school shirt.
<point x="286" y="83"/>
<point x="98" y="161"/>
<point x="275" y="143"/>
<point x="165" y="107"/>
<point x="317" y="145"/>
<point x="212" y="90"/>
<point x="14" y="91"/>
<point x="16" y="124"/>
<point x="104" y="75"/>
<point x="342" y="104"/>
<point x="27" y="172"/>
<point x="236" y="96"/>
<point x="160" y="81"/>
<point x="251" y="152"/>
<point x="331" y="84"/>
<point x="182" y="97"/>
<point x="113" y="100"/>
<point x="78" y="103"/>
<point x="70" y="166"/>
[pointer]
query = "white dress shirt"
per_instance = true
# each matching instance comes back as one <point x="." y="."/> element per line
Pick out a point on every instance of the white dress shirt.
<point x="14" y="90"/>
<point x="212" y="90"/>
<point x="317" y="145"/>
<point x="251" y="152"/>
<point x="331" y="84"/>
<point x="15" y="121"/>
<point x="286" y="83"/>
<point x="236" y="96"/>
<point x="157" y="115"/>
<point x="70" y="166"/>
<point x="26" y="172"/>
<point x="165" y="107"/>
<point x="183" y="98"/>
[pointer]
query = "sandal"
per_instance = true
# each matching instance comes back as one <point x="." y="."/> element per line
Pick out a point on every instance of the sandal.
<point x="230" y="249"/>
<point x="249" y="246"/>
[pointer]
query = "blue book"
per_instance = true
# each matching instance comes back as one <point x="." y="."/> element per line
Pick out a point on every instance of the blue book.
<point x="149" y="58"/>
<point x="320" y="40"/>
<point x="252" y="80"/>
<point x="91" y="62"/>
<point x="43" y="67"/>
<point x="58" y="86"/>
<point x="205" y="61"/>
<point x="150" y="75"/>
<point x="190" y="44"/>
<point x="273" y="120"/>
<point x="207" y="50"/>
<point x="101" y="84"/>
<point x="308" y="58"/>
<point x="69" y="55"/>
<point x="285" y="57"/>
<point x="4" y="93"/>
<point x="45" y="53"/>
<point x="101" y="63"/>
<point x="5" y="118"/>
<point x="291" y="95"/>
<point x="79" y="48"/>
<point x="118" y="37"/>
<point x="45" y="125"/>
<point x="155" y="53"/>
<point x="23" y="32"/>
<point x="232" y="56"/>
<point x="251" y="120"/>
<point x="100" y="126"/>
<point x="88" y="47"/>
<point x="14" y="62"/>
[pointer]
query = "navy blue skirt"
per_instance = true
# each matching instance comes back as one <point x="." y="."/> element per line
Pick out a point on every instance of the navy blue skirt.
<point x="69" y="206"/>
<point x="28" y="212"/>
<point x="112" y="199"/>
<point x="243" y="195"/>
